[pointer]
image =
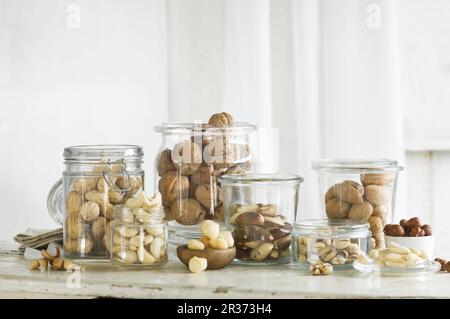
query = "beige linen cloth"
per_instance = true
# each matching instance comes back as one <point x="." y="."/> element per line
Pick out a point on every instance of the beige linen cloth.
<point x="38" y="238"/>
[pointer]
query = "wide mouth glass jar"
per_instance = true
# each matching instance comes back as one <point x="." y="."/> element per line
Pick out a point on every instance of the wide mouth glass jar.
<point x="191" y="159"/>
<point x="138" y="237"/>
<point x="335" y="241"/>
<point x="358" y="190"/>
<point x="96" y="179"/>
<point x="260" y="209"/>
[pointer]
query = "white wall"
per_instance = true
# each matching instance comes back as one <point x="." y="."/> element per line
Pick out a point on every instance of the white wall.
<point x="104" y="82"/>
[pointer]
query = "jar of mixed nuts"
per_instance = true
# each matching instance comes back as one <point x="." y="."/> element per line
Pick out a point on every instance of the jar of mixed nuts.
<point x="359" y="191"/>
<point x="95" y="180"/>
<point x="338" y="242"/>
<point x="261" y="208"/>
<point x="139" y="234"/>
<point x="191" y="159"/>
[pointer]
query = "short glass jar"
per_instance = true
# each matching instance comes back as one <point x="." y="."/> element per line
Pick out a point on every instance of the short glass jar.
<point x="138" y="238"/>
<point x="96" y="179"/>
<point x="191" y="159"/>
<point x="338" y="242"/>
<point x="260" y="209"/>
<point x="358" y="190"/>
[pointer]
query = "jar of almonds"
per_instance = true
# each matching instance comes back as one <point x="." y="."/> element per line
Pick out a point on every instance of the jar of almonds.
<point x="191" y="159"/>
<point x="95" y="180"/>
<point x="261" y="209"/>
<point x="358" y="191"/>
<point x="139" y="234"/>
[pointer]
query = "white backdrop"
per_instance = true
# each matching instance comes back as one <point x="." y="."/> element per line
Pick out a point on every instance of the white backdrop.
<point x="326" y="73"/>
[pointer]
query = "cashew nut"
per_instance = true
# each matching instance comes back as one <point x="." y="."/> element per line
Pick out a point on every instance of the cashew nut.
<point x="156" y="247"/>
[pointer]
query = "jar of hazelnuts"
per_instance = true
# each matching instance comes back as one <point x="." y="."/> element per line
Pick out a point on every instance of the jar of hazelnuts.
<point x="192" y="158"/>
<point x="358" y="191"/>
<point x="95" y="180"/>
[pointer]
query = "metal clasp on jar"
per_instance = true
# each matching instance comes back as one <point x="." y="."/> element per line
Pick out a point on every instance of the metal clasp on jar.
<point x="110" y="171"/>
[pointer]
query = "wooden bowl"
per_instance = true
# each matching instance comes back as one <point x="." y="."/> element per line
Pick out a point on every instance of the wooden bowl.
<point x="217" y="258"/>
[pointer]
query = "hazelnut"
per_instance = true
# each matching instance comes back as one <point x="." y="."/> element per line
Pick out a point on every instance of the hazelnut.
<point x="337" y="209"/>
<point x="404" y="224"/>
<point x="442" y="262"/>
<point x="164" y="162"/>
<point x="427" y="229"/>
<point x="394" y="230"/>
<point x="221" y="119"/>
<point x="413" y="223"/>
<point x="187" y="157"/>
<point x="414" y="232"/>
<point x="187" y="211"/>
<point x="208" y="196"/>
<point x="172" y="186"/>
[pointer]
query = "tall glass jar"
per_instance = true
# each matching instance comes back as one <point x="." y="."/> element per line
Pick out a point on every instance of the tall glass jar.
<point x="358" y="190"/>
<point x="261" y="209"/>
<point x="96" y="179"/>
<point x="191" y="159"/>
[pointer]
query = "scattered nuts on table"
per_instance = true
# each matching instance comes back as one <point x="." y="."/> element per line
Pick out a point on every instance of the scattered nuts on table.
<point x="445" y="265"/>
<point x="260" y="233"/>
<point x="408" y="228"/>
<point x="139" y="233"/>
<point x="189" y="171"/>
<point x="90" y="206"/>
<point x="369" y="201"/>
<point x="321" y="268"/>
<point x="56" y="262"/>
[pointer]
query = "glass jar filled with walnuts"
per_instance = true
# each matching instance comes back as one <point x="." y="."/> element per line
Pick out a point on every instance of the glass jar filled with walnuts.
<point x="191" y="159"/>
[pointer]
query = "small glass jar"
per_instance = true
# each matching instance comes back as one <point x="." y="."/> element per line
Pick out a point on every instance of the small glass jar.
<point x="138" y="238"/>
<point x="260" y="209"/>
<point x="191" y="159"/>
<point x="358" y="190"/>
<point x="95" y="180"/>
<point x="338" y="242"/>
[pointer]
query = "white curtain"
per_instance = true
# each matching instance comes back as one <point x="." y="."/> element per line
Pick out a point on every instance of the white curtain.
<point x="325" y="73"/>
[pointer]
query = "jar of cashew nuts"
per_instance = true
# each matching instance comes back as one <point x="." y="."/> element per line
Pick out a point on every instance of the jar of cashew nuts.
<point x="337" y="242"/>
<point x="138" y="235"/>
<point x="96" y="179"/>
<point x="261" y="209"/>
<point x="358" y="191"/>
<point x="191" y="159"/>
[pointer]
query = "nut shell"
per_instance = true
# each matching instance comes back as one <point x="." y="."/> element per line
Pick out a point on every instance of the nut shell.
<point x="378" y="195"/>
<point x="377" y="179"/>
<point x="164" y="162"/>
<point x="187" y="157"/>
<point x="337" y="209"/>
<point x="221" y="119"/>
<point x="360" y="212"/>
<point x="187" y="211"/>
<point x="173" y="186"/>
<point x="349" y="191"/>
<point x="208" y="196"/>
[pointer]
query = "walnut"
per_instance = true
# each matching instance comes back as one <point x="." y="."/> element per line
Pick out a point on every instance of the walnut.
<point x="221" y="119"/>
<point x="224" y="154"/>
<point x="167" y="213"/>
<point x="337" y="209"/>
<point x="350" y="192"/>
<point x="208" y="196"/>
<point x="394" y="230"/>
<point x="173" y="185"/>
<point x="164" y="162"/>
<point x="187" y="211"/>
<point x="187" y="157"/>
<point x="203" y="174"/>
<point x="360" y="212"/>
<point x="219" y="213"/>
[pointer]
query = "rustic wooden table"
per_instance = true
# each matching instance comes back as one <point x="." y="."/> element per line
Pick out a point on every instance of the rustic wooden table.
<point x="174" y="281"/>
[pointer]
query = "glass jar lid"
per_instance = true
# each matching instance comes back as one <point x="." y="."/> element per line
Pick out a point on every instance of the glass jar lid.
<point x="356" y="165"/>
<point x="331" y="228"/>
<point x="98" y="153"/>
<point x="261" y="179"/>
<point x="239" y="128"/>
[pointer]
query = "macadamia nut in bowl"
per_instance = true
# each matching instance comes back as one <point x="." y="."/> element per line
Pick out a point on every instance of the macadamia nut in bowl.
<point x="358" y="190"/>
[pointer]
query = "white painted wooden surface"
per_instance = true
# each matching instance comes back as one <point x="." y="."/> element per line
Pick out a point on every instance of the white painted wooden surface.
<point x="174" y="281"/>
